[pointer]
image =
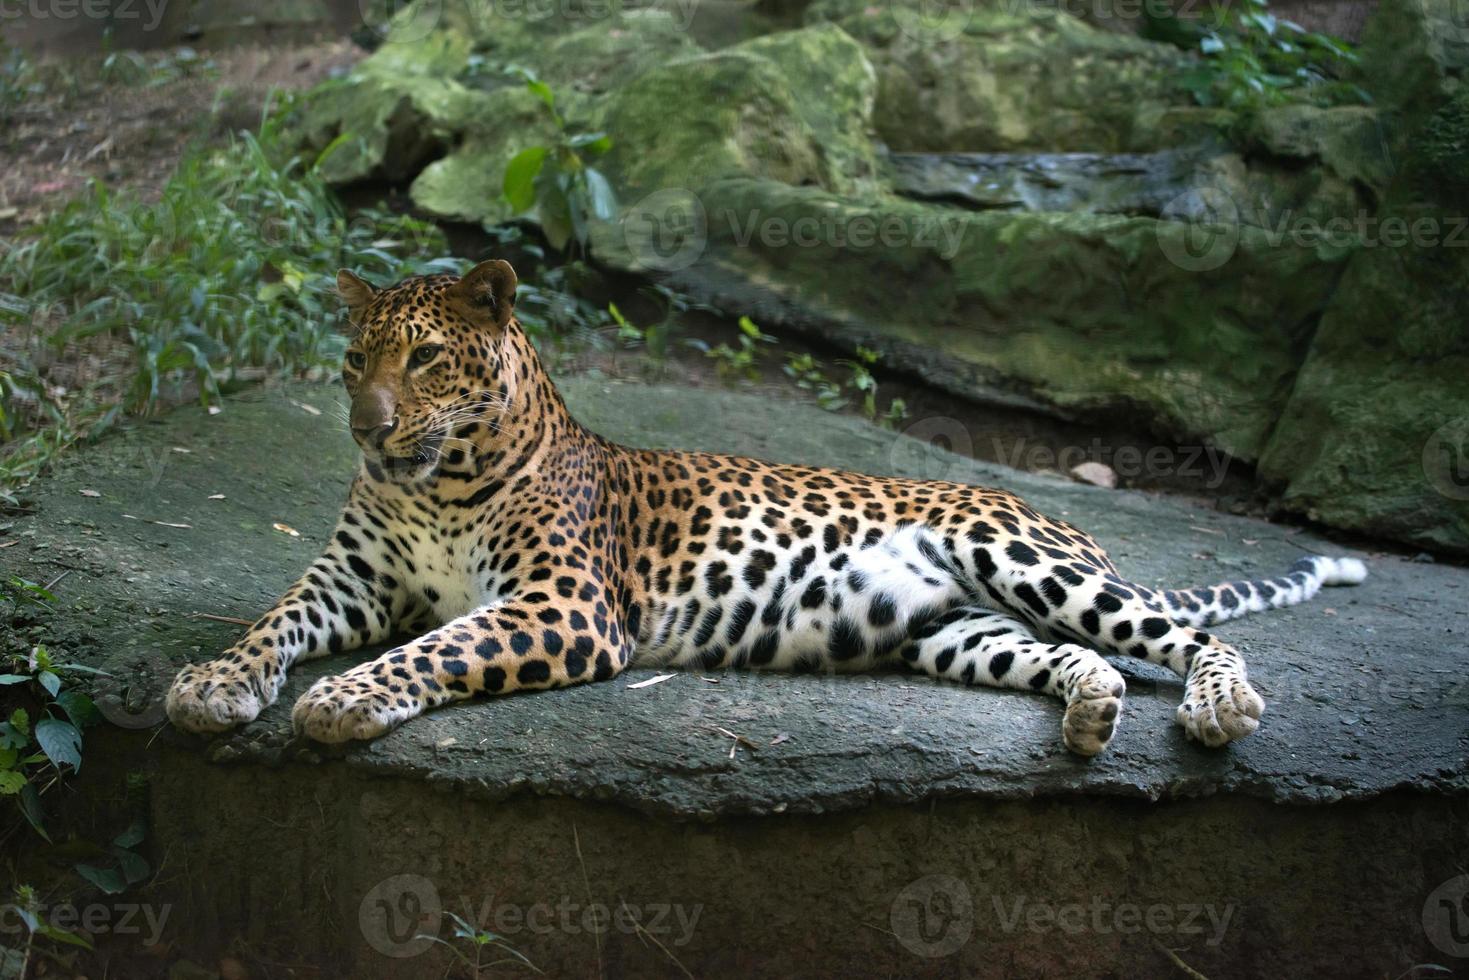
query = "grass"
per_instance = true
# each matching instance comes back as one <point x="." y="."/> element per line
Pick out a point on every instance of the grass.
<point x="228" y="277"/>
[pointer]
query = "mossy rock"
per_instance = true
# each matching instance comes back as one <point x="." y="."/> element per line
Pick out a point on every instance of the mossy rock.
<point x="1349" y="141"/>
<point x="749" y="110"/>
<point x="1375" y="436"/>
<point x="975" y="78"/>
<point x="370" y="126"/>
<point x="1079" y="312"/>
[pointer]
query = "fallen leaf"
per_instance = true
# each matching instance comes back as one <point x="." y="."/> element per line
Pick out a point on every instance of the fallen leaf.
<point x="286" y="529"/>
<point x="1250" y="541"/>
<point x="171" y="524"/>
<point x="10" y="543"/>
<point x="1205" y="530"/>
<point x="216" y="496"/>
<point x="1328" y="611"/>
<point x="310" y="409"/>
<point x="181" y="449"/>
<point x="445" y="743"/>
<point x="709" y="680"/>
<point x="215" y="410"/>
<point x="782" y="737"/>
<point x="89" y="493"/>
<point x="651" y="681"/>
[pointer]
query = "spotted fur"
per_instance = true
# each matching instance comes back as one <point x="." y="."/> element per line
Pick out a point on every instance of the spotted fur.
<point x="523" y="552"/>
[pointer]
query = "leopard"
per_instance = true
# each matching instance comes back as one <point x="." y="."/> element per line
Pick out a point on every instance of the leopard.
<point x="504" y="547"/>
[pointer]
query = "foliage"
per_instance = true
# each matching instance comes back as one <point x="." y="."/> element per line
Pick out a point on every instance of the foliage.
<point x="481" y="941"/>
<point x="808" y="375"/>
<point x="744" y="360"/>
<point x="136" y="70"/>
<point x="38" y="749"/>
<point x="557" y="180"/>
<point x="228" y="275"/>
<point x="1252" y="59"/>
<point x="27" y="907"/>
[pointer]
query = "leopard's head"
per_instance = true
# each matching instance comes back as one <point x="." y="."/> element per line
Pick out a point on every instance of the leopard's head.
<point x="425" y="365"/>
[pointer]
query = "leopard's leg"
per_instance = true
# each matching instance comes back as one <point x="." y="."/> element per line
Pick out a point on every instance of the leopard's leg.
<point x="1069" y="590"/>
<point x="349" y="597"/>
<point x="976" y="645"/>
<point x="516" y="645"/>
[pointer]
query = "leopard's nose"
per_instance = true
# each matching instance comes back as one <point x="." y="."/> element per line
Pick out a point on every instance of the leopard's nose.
<point x="375" y="435"/>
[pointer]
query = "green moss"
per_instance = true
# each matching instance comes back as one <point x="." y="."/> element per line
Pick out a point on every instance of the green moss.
<point x="977" y="78"/>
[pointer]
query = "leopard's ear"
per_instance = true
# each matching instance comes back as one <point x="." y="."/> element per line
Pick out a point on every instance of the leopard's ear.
<point x="486" y="293"/>
<point x="356" y="292"/>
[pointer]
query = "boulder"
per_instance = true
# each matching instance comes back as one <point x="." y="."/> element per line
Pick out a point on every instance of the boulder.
<point x="1074" y="311"/>
<point x="1375" y="436"/>
<point x="973" y="78"/>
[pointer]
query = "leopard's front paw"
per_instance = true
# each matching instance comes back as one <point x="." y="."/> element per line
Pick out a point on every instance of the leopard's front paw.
<point x="1219" y="705"/>
<point x="1091" y="712"/>
<point x="341" y="708"/>
<point x="216" y="696"/>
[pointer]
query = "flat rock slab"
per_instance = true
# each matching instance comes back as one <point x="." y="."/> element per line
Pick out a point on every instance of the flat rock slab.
<point x="198" y="515"/>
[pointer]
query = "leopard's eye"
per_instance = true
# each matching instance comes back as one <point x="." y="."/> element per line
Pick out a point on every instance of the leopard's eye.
<point x="422" y="355"/>
<point x="356" y="359"/>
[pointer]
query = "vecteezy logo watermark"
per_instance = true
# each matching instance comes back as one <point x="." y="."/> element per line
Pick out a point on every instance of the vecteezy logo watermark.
<point x="143" y="920"/>
<point x="1446" y="917"/>
<point x="108" y="10"/>
<point x="943" y="233"/>
<point x="929" y="447"/>
<point x="1446" y="459"/>
<point x="666" y="231"/>
<point x="933" y="916"/>
<point x="1103" y="917"/>
<point x="400" y="915"/>
<point x="1201" y="229"/>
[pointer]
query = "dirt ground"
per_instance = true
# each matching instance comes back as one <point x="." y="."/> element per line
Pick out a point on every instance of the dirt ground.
<point x="125" y="119"/>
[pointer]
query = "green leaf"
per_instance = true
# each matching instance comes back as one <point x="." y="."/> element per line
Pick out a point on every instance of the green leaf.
<point x="62" y="936"/>
<point x="11" y="782"/>
<point x="13" y="679"/>
<point x="50" y="682"/>
<point x="31" y="809"/>
<point x="61" y="742"/>
<point x="110" y="880"/>
<point x="131" y="837"/>
<point x="592" y="143"/>
<point x="604" y="202"/>
<point x="79" y="708"/>
<point x="20" y="721"/>
<point x="542" y="91"/>
<point x="520" y="178"/>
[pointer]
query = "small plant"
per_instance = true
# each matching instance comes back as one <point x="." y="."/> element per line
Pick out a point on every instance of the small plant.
<point x="36" y="752"/>
<point x="833" y="396"/>
<point x="557" y="180"/>
<point x="742" y="361"/>
<point x="1253" y="59"/>
<point x="806" y="372"/>
<point x="27" y="907"/>
<point x="230" y="273"/>
<point x="481" y="943"/>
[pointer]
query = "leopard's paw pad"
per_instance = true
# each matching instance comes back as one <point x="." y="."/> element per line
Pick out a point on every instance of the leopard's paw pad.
<point x="343" y="708"/>
<point x="216" y="696"/>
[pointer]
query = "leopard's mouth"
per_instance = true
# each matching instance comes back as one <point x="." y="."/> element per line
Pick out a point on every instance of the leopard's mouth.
<point x="417" y="455"/>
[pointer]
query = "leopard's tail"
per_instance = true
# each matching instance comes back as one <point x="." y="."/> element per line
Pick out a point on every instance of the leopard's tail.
<point x="1231" y="600"/>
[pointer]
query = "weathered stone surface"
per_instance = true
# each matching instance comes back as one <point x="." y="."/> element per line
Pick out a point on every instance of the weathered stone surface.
<point x="974" y="78"/>
<point x="1375" y="436"/>
<point x="1083" y="312"/>
<point x="1350" y="716"/>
